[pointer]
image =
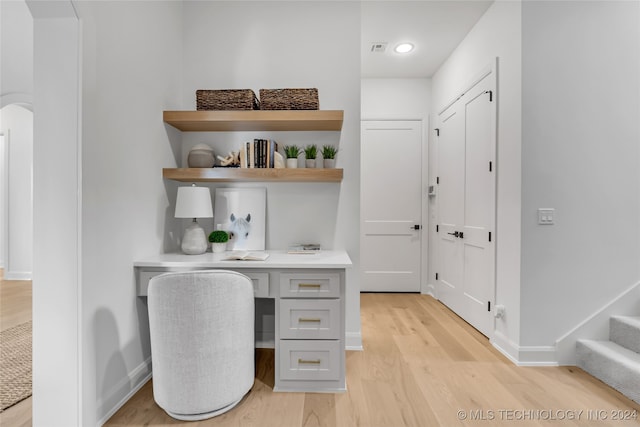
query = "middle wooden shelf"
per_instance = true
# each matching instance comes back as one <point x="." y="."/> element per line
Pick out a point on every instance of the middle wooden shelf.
<point x="252" y="175"/>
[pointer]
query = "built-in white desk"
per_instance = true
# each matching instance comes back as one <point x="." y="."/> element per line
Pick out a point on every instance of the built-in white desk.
<point x="299" y="310"/>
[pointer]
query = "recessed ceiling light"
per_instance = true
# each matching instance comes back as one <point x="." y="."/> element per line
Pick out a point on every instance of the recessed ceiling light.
<point x="404" y="48"/>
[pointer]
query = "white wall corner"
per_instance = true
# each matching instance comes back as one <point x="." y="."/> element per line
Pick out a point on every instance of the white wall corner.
<point x="596" y="326"/>
<point x="128" y="386"/>
<point x="353" y="341"/>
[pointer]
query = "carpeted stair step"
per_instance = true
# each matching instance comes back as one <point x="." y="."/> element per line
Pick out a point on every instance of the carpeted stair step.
<point x="625" y="331"/>
<point x="613" y="364"/>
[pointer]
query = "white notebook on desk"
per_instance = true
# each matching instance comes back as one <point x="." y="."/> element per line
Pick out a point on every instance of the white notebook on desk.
<point x="246" y="256"/>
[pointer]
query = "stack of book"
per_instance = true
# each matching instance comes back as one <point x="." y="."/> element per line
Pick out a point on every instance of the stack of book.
<point x="258" y="154"/>
<point x="304" y="248"/>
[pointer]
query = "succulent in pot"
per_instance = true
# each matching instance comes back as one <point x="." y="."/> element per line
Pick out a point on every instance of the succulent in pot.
<point x="292" y="152"/>
<point x="329" y="156"/>
<point x="310" y="154"/>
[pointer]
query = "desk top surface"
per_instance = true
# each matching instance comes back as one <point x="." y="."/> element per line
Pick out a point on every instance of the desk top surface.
<point x="277" y="259"/>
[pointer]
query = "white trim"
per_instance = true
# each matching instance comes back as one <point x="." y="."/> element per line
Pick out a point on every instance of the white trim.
<point x="429" y="289"/>
<point x="486" y="70"/>
<point x="353" y="341"/>
<point x="139" y="376"/>
<point x="392" y="118"/>
<point x="524" y="355"/>
<point x="596" y="326"/>
<point x="17" y="275"/>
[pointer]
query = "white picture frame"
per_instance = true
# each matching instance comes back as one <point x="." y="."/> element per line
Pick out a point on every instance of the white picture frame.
<point x="241" y="212"/>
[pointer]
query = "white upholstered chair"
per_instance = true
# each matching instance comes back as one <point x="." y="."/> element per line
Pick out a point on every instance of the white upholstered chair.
<point x="202" y="341"/>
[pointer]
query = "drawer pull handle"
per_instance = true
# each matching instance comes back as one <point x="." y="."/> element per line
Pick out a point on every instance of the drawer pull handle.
<point x="309" y="285"/>
<point x="309" y="319"/>
<point x="309" y="362"/>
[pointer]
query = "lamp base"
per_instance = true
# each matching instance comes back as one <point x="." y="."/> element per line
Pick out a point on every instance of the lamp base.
<point x="194" y="242"/>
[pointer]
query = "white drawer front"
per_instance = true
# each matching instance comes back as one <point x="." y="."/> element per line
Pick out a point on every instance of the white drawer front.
<point x="309" y="360"/>
<point x="309" y="285"/>
<point x="260" y="283"/>
<point x="310" y="319"/>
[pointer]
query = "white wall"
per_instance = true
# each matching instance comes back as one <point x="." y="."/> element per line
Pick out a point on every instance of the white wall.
<point x="132" y="62"/>
<point x="16" y="50"/>
<point x="17" y="125"/>
<point x="288" y="44"/>
<point x="580" y="155"/>
<point x="57" y="398"/>
<point x="497" y="34"/>
<point x="395" y="98"/>
<point x="16" y="87"/>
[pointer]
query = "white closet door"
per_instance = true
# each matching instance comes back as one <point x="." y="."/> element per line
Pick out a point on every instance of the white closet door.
<point x="466" y="205"/>
<point x="391" y="205"/>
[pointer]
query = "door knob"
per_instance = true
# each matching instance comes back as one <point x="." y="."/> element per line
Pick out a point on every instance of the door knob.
<point x="454" y="234"/>
<point x="415" y="227"/>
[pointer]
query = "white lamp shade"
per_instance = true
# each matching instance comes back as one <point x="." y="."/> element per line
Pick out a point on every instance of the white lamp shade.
<point x="193" y="202"/>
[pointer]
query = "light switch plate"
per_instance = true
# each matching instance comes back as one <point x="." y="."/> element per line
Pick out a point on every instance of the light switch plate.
<point x="546" y="216"/>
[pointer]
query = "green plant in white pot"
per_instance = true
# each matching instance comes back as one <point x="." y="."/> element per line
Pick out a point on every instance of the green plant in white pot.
<point x="310" y="154"/>
<point x="292" y="152"/>
<point x="329" y="156"/>
<point x="218" y="239"/>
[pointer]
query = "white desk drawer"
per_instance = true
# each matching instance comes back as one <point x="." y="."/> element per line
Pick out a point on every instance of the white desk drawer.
<point x="309" y="285"/>
<point x="310" y="319"/>
<point x="309" y="360"/>
<point x="260" y="282"/>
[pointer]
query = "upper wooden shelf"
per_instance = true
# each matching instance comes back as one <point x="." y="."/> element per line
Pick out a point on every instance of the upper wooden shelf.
<point x="252" y="175"/>
<point x="255" y="120"/>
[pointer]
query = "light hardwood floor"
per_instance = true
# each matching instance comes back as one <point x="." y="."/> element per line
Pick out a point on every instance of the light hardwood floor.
<point x="422" y="366"/>
<point x="15" y="308"/>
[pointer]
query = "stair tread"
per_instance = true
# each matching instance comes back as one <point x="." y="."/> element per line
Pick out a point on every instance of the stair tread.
<point x="616" y="351"/>
<point x="630" y="320"/>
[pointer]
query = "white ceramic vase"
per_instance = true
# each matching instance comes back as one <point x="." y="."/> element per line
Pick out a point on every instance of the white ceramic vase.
<point x="310" y="163"/>
<point x="329" y="163"/>
<point x="292" y="163"/>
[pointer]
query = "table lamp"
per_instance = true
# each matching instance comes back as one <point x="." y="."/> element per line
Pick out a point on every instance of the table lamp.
<point x="194" y="202"/>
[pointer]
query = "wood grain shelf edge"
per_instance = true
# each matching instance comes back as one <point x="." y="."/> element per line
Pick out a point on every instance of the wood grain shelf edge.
<point x="255" y="120"/>
<point x="252" y="175"/>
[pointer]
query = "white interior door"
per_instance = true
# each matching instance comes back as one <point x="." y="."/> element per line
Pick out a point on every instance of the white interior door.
<point x="466" y="205"/>
<point x="391" y="205"/>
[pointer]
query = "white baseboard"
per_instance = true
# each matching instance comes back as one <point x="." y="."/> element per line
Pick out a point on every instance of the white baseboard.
<point x="524" y="355"/>
<point x="353" y="341"/>
<point x="17" y="275"/>
<point x="428" y="289"/>
<point x="138" y="377"/>
<point x="596" y="326"/>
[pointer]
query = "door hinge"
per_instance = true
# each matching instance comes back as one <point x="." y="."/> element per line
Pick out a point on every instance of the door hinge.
<point x="488" y="305"/>
<point x="490" y="166"/>
<point x="490" y="92"/>
<point x="437" y="180"/>
<point x="437" y="228"/>
<point x="489" y="236"/>
<point x="436" y="276"/>
<point x="437" y="131"/>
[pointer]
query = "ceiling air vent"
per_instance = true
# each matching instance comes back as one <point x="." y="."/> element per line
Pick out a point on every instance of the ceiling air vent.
<point x="379" y="47"/>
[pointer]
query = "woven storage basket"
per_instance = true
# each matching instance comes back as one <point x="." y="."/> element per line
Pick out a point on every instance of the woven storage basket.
<point x="289" y="99"/>
<point x="227" y="99"/>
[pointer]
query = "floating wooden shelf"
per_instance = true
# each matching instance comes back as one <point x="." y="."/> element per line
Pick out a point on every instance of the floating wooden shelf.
<point x="255" y="120"/>
<point x="252" y="175"/>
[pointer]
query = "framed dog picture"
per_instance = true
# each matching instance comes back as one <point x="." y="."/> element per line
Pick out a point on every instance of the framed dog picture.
<point x="241" y="212"/>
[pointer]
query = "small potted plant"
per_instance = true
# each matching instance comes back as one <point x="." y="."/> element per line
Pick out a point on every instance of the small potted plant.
<point x="310" y="153"/>
<point x="329" y="155"/>
<point x="218" y="239"/>
<point x="292" y="152"/>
